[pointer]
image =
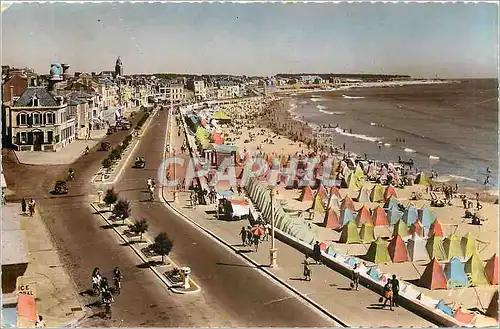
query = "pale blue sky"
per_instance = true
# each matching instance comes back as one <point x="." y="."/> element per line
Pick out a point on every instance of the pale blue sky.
<point x="445" y="40"/>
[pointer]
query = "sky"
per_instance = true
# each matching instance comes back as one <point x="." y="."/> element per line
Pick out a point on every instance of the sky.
<point x="422" y="40"/>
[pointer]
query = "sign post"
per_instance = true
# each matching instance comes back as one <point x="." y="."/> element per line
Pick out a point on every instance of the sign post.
<point x="26" y="286"/>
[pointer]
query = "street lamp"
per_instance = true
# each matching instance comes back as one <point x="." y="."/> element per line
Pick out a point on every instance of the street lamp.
<point x="273" y="252"/>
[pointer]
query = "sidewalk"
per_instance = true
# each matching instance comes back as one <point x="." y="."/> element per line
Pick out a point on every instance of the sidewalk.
<point x="57" y="298"/>
<point x="68" y="154"/>
<point x="328" y="288"/>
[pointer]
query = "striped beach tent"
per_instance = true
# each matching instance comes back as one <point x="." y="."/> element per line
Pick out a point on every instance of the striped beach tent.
<point x="346" y="216"/>
<point x="416" y="228"/>
<point x="322" y="192"/>
<point x="417" y="250"/>
<point x="422" y="179"/>
<point x="307" y="194"/>
<point x="334" y="191"/>
<point x="394" y="215"/>
<point x="426" y="217"/>
<point x="455" y="273"/>
<point x="393" y="201"/>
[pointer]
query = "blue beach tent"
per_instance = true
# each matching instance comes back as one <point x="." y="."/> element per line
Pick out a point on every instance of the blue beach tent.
<point x="394" y="215"/>
<point x="444" y="308"/>
<point x="455" y="273"/>
<point x="393" y="201"/>
<point x="351" y="261"/>
<point x="427" y="217"/>
<point x="331" y="250"/>
<point x="410" y="215"/>
<point x="346" y="216"/>
<point x="374" y="273"/>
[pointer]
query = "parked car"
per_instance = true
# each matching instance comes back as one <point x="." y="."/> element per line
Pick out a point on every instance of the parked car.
<point x="140" y="162"/>
<point x="60" y="187"/>
<point x="105" y="146"/>
<point x="111" y="129"/>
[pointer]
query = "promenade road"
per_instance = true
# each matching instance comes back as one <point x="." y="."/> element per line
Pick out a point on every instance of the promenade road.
<point x="233" y="294"/>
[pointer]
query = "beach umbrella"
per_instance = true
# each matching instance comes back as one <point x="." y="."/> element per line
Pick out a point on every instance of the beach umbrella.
<point x="258" y="230"/>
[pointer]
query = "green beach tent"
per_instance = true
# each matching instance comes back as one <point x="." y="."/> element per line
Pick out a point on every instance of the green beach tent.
<point x="367" y="233"/>
<point x="474" y="268"/>
<point x="468" y="244"/>
<point x="378" y="252"/>
<point x="318" y="204"/>
<point x="221" y="115"/>
<point x="350" y="233"/>
<point x="422" y="179"/>
<point x="435" y="247"/>
<point x="356" y="179"/>
<point x="400" y="229"/>
<point x="452" y="247"/>
<point x="377" y="193"/>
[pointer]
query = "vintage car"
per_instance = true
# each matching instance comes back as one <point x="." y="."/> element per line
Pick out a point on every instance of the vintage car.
<point x="111" y="130"/>
<point x="60" y="187"/>
<point x="105" y="146"/>
<point x="124" y="125"/>
<point x="140" y="162"/>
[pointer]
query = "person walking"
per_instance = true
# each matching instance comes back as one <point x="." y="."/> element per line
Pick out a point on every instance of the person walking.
<point x="256" y="240"/>
<point x="23" y="206"/>
<point x="31" y="206"/>
<point x="395" y="290"/>
<point x="388" y="295"/>
<point x="243" y="234"/>
<point x="307" y="270"/>
<point x="355" y="277"/>
<point x="317" y="253"/>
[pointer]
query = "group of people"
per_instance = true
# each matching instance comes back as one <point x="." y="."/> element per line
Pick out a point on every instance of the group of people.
<point x="31" y="206"/>
<point x="100" y="285"/>
<point x="248" y="238"/>
<point x="151" y="188"/>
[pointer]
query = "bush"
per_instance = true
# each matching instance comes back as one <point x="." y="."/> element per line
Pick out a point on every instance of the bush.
<point x="106" y="163"/>
<point x="115" y="154"/>
<point x="110" y="197"/>
<point x="142" y="120"/>
<point x="162" y="245"/>
<point x="122" y="210"/>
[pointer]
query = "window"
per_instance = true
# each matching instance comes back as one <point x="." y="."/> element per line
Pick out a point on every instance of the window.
<point x="36" y="119"/>
<point x="49" y="118"/>
<point x="35" y="102"/>
<point x="22" y="119"/>
<point x="23" y="137"/>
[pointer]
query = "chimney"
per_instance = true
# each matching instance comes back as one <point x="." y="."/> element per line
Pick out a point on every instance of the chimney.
<point x="59" y="99"/>
<point x="32" y="81"/>
<point x="11" y="95"/>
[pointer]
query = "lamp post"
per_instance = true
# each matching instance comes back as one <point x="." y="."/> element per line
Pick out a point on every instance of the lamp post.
<point x="273" y="252"/>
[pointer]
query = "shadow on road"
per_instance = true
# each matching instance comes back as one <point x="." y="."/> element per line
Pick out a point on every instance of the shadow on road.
<point x="235" y="265"/>
<point x="297" y="279"/>
<point x="152" y="263"/>
<point x="243" y="251"/>
<point x="88" y="292"/>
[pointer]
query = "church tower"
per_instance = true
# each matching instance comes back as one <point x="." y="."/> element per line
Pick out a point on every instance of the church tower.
<point x="118" y="68"/>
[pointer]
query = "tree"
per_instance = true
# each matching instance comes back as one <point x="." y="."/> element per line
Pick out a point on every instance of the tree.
<point x="140" y="227"/>
<point x="162" y="245"/>
<point x="122" y="210"/>
<point x="106" y="163"/>
<point x="110" y="197"/>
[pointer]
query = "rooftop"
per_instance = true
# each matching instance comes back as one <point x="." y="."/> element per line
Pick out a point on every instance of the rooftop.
<point x="45" y="98"/>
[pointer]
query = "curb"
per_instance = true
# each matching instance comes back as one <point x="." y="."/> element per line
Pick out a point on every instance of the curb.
<point x="248" y="259"/>
<point x="126" y="160"/>
<point x="171" y="286"/>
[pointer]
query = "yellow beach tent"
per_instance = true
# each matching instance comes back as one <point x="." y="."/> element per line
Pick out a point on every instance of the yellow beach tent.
<point x="422" y="179"/>
<point x="435" y="247"/>
<point x="356" y="179"/>
<point x="468" y="244"/>
<point x="350" y="233"/>
<point x="378" y="252"/>
<point x="452" y="247"/>
<point x="401" y="228"/>
<point x="474" y="268"/>
<point x="220" y="115"/>
<point x="367" y="233"/>
<point x="318" y="204"/>
<point x="377" y="193"/>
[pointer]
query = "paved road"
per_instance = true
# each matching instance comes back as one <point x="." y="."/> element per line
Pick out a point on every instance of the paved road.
<point x="233" y="293"/>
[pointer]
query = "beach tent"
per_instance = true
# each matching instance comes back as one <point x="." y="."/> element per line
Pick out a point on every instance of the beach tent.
<point x="306" y="195"/>
<point x="27" y="313"/>
<point x="363" y="216"/>
<point x="364" y="195"/>
<point x="389" y="192"/>
<point x="410" y="215"/>
<point x="433" y="276"/>
<point x="393" y="201"/>
<point x="318" y="204"/>
<point x="331" y="250"/>
<point x="351" y="261"/>
<point x="427" y="301"/>
<point x="221" y="116"/>
<point x="417" y="250"/>
<point x="491" y="270"/>
<point x="378" y="252"/>
<point x="468" y="244"/>
<point x="400" y="229"/>
<point x="202" y="137"/>
<point x="455" y="273"/>
<point x="441" y="305"/>
<point x="377" y="193"/>
<point x="410" y="291"/>
<point x="394" y="215"/>
<point x="484" y="321"/>
<point x="397" y="250"/>
<point x="374" y="273"/>
<point x="356" y="179"/>
<point x="334" y="191"/>
<point x="452" y="247"/>
<point x="367" y="232"/>
<point x="464" y="317"/>
<point x="417" y="228"/>
<point x="435" y="247"/>
<point x="475" y="268"/>
<point x="346" y="216"/>
<point x="333" y="202"/>
<point x="331" y="219"/>
<point x="347" y="203"/>
<point x="322" y="193"/>
<point x="379" y="218"/>
<point x="350" y="233"/>
<point x="492" y="309"/>
<point x="422" y="179"/>
<point x="217" y="138"/>
<point x="436" y="229"/>
<point x="426" y="217"/>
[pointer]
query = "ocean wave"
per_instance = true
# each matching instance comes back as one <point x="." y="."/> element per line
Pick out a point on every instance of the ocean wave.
<point x="387" y="145"/>
<point x="331" y="113"/>
<point x="448" y="178"/>
<point x="359" y="136"/>
<point x="433" y="157"/>
<point x="321" y="107"/>
<point x="373" y="124"/>
<point x="408" y="150"/>
<point x="458" y="177"/>
<point x="352" y="97"/>
<point x="318" y="99"/>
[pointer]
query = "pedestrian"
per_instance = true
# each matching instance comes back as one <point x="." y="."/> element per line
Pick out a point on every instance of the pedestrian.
<point x="355" y="277"/>
<point x="388" y="294"/>
<point x="243" y="234"/>
<point x="317" y="253"/>
<point x="40" y="323"/>
<point x="31" y="206"/>
<point x="249" y="235"/>
<point x="307" y="270"/>
<point x="395" y="290"/>
<point x="239" y="189"/>
<point x="256" y="240"/>
<point x="23" y="206"/>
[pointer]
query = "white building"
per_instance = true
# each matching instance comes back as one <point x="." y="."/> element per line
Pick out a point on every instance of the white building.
<point x="39" y="121"/>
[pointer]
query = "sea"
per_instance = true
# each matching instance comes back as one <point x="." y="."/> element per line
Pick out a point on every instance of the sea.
<point x="451" y="128"/>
